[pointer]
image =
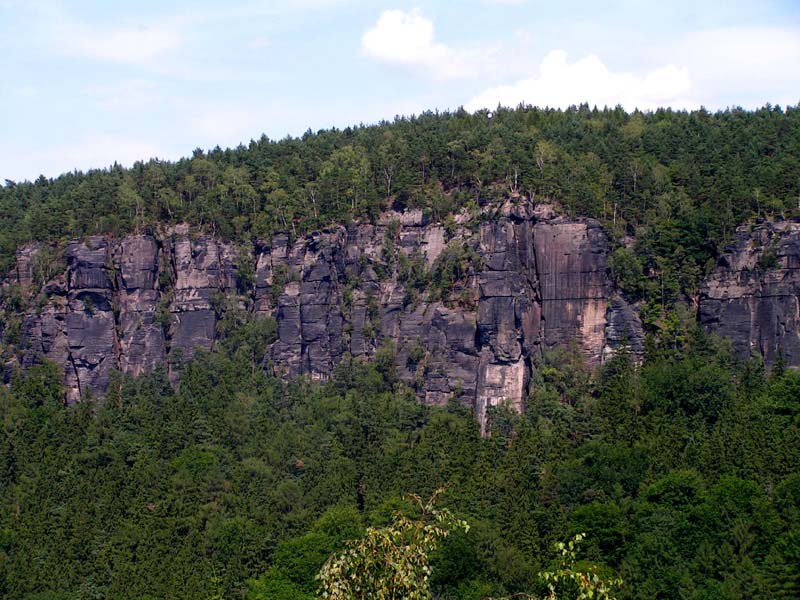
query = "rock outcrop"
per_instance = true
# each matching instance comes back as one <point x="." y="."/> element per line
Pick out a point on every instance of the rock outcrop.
<point x="204" y="274"/>
<point x="23" y="273"/>
<point x="752" y="296"/>
<point x="527" y="281"/>
<point x="142" y="343"/>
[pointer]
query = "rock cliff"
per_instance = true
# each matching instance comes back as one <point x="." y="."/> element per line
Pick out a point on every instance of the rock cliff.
<point x="469" y="307"/>
<point x="753" y="294"/>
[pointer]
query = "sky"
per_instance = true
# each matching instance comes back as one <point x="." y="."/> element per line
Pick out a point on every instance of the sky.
<point x="84" y="84"/>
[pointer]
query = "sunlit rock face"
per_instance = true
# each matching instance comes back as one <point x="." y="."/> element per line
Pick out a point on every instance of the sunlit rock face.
<point x="752" y="295"/>
<point x="204" y="273"/>
<point x="532" y="281"/>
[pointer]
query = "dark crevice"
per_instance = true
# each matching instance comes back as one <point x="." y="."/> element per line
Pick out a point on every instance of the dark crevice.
<point x="71" y="360"/>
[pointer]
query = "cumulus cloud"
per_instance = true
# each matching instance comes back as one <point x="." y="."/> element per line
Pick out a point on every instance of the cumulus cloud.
<point x="745" y="65"/>
<point x="408" y="39"/>
<point x="402" y="37"/>
<point x="562" y="83"/>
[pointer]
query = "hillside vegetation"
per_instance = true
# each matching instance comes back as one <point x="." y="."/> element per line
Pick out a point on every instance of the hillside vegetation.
<point x="684" y="473"/>
<point x="679" y="181"/>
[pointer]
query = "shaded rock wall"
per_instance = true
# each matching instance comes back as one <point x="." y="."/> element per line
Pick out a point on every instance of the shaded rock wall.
<point x="142" y="344"/>
<point x="540" y="281"/>
<point x="753" y="294"/>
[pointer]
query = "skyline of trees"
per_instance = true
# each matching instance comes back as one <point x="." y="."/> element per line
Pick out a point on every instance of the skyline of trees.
<point x="679" y="182"/>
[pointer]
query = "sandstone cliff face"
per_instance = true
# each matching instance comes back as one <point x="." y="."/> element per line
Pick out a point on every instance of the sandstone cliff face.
<point x="141" y="339"/>
<point x="753" y="294"/>
<point x="23" y="273"/>
<point x="537" y="281"/>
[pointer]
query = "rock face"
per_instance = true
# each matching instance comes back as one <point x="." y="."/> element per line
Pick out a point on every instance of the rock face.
<point x="142" y="344"/>
<point x="23" y="273"/>
<point x="204" y="274"/>
<point x="527" y="281"/>
<point x="753" y="294"/>
<point x="90" y="326"/>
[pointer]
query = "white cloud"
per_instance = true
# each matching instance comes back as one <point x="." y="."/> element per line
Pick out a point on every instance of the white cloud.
<point x="561" y="84"/>
<point x="149" y="47"/>
<point x="743" y="65"/>
<point x="127" y="45"/>
<point x="717" y="68"/>
<point x="403" y="37"/>
<point x="408" y="39"/>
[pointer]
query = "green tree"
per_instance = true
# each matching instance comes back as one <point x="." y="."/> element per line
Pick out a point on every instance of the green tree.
<point x="567" y="582"/>
<point x="390" y="562"/>
<point x="344" y="178"/>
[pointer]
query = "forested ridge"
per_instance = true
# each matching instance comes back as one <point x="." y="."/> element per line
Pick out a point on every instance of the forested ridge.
<point x="684" y="474"/>
<point x="680" y="182"/>
<point x="683" y="469"/>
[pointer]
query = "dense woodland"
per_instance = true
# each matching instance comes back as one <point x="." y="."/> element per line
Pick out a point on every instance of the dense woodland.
<point x="679" y="181"/>
<point x="684" y="473"/>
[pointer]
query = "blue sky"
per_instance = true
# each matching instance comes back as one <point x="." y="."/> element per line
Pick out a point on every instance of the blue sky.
<point x="86" y="83"/>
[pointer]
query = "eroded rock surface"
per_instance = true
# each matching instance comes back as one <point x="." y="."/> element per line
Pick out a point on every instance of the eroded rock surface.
<point x="205" y="278"/>
<point x="90" y="324"/>
<point x="534" y="281"/>
<point x="142" y="345"/>
<point x="752" y="296"/>
<point x="23" y="272"/>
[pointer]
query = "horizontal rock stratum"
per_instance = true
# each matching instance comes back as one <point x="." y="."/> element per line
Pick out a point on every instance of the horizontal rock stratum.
<point x="535" y="280"/>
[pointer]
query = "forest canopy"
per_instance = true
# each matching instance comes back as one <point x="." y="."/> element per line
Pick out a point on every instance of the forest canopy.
<point x="241" y="485"/>
<point x="683" y="471"/>
<point x="680" y="182"/>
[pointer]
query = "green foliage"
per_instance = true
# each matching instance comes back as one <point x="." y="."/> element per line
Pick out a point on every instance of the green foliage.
<point x="45" y="264"/>
<point x="393" y="561"/>
<point x="450" y="272"/>
<point x="162" y="314"/>
<point x="416" y="353"/>
<point x="692" y="386"/>
<point x="413" y="274"/>
<point x="678" y="181"/>
<point x="245" y="269"/>
<point x="567" y="582"/>
<point x="280" y="277"/>
<point x="246" y="336"/>
<point x="768" y="259"/>
<point x="275" y="586"/>
<point x="626" y="270"/>
<point x="784" y="392"/>
<point x="296" y="561"/>
<point x="682" y="471"/>
<point x="166" y="275"/>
